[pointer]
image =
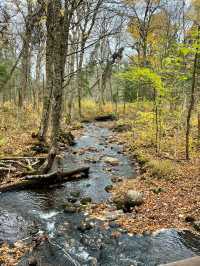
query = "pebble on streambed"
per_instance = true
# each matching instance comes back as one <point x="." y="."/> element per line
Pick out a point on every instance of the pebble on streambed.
<point x="109" y="188"/>
<point x="72" y="207"/>
<point x="111" y="161"/>
<point x="86" y="200"/>
<point x="75" y="206"/>
<point x="85" y="226"/>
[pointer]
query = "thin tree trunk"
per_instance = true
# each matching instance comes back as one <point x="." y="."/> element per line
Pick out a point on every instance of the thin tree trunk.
<point x="198" y="127"/>
<point x="157" y="128"/>
<point x="156" y="120"/>
<point x="80" y="82"/>
<point x="191" y="105"/>
<point x="26" y="60"/>
<point x="59" y="64"/>
<point x="49" y="75"/>
<point x="144" y="63"/>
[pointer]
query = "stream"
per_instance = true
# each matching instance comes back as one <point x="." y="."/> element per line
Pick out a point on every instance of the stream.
<point x="27" y="213"/>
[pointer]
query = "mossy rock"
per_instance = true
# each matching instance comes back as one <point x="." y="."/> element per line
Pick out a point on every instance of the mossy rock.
<point x="75" y="194"/>
<point x="85" y="226"/>
<point x="108" y="188"/>
<point x="69" y="208"/>
<point x="130" y="199"/>
<point x="72" y="207"/>
<point x="67" y="138"/>
<point x="86" y="200"/>
<point x="122" y="128"/>
<point x="40" y="148"/>
<point x="196" y="226"/>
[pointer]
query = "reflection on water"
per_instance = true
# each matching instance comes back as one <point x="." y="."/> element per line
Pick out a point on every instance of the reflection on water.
<point x="25" y="213"/>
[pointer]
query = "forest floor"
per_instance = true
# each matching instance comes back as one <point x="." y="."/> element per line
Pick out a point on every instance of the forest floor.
<point x="171" y="186"/>
<point x="17" y="128"/>
<point x="171" y="196"/>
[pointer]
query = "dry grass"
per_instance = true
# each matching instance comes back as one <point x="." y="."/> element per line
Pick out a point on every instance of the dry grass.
<point x="16" y="128"/>
<point x="161" y="168"/>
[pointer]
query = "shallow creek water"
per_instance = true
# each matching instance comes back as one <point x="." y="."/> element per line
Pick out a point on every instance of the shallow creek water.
<point x="27" y="213"/>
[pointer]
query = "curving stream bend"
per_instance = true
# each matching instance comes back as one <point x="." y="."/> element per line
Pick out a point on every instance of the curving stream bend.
<point x="28" y="213"/>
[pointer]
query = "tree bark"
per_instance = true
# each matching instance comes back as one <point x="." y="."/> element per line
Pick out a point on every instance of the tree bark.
<point x="60" y="47"/>
<point x="80" y="82"/>
<point x="49" y="74"/>
<point x="191" y="104"/>
<point x="26" y="57"/>
<point x="198" y="118"/>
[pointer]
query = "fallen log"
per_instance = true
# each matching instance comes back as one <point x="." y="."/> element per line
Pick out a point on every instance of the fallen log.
<point x="102" y="118"/>
<point x="45" y="180"/>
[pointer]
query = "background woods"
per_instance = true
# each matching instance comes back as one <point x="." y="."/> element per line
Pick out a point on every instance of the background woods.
<point x="66" y="60"/>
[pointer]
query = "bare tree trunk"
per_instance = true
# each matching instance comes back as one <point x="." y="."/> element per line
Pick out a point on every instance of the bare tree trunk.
<point x="84" y="32"/>
<point x="38" y="64"/>
<point x="72" y="86"/>
<point x="38" y="84"/>
<point x="198" y="127"/>
<point x="49" y="75"/>
<point x="144" y="48"/>
<point x="25" y="69"/>
<point x="157" y="127"/>
<point x="61" y="34"/>
<point x="191" y="105"/>
<point x="105" y="77"/>
<point x="80" y="82"/>
<point x="26" y="57"/>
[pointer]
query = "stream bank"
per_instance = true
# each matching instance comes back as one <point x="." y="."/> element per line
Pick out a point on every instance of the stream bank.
<point x="64" y="238"/>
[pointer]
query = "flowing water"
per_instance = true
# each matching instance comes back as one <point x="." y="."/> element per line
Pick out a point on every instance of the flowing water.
<point x="28" y="213"/>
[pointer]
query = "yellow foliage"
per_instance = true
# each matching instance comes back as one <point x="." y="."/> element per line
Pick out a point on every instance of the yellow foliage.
<point x="194" y="12"/>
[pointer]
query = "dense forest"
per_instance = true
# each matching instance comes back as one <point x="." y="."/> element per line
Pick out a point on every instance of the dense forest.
<point x="123" y="71"/>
